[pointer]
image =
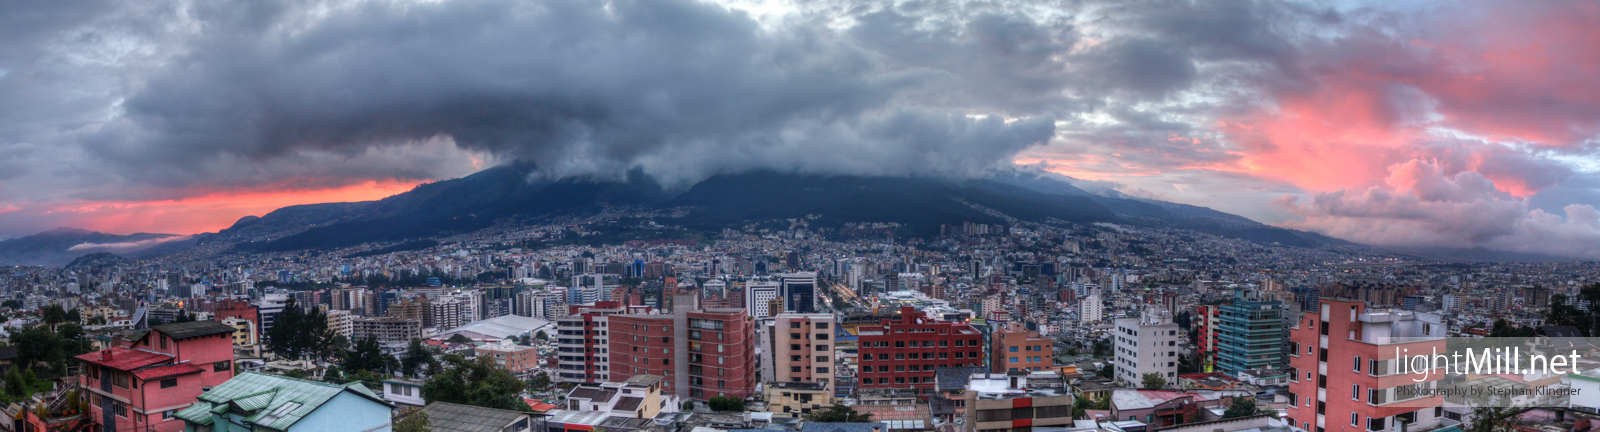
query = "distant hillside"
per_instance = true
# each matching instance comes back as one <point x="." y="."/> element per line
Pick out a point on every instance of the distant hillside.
<point x="61" y="245"/>
<point x="1479" y="254"/>
<point x="1152" y="213"/>
<point x="920" y="204"/>
<point x="98" y="260"/>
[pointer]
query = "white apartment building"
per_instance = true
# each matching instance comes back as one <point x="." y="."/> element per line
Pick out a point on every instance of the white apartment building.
<point x="1147" y="344"/>
<point x="1091" y="308"/>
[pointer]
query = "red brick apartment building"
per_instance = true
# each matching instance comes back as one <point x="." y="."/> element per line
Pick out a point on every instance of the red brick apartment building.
<point x="702" y="353"/>
<point x="905" y="353"/>
<point x="1343" y="374"/>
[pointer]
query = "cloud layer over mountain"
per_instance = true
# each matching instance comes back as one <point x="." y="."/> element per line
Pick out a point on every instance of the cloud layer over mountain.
<point x="1423" y="124"/>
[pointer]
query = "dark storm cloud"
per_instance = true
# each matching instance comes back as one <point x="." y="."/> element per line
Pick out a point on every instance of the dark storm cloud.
<point x="680" y="89"/>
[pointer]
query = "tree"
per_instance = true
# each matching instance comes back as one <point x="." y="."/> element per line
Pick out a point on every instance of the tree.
<point x="478" y="382"/>
<point x="723" y="403"/>
<point x="53" y="314"/>
<point x="417" y="421"/>
<point x="296" y="334"/>
<point x="541" y="336"/>
<point x="367" y="355"/>
<point x="540" y="381"/>
<point x="458" y="338"/>
<point x="1153" y="381"/>
<point x="1106" y="371"/>
<point x="1242" y="407"/>
<point x="417" y="355"/>
<point x="837" y="414"/>
<point x="38" y="345"/>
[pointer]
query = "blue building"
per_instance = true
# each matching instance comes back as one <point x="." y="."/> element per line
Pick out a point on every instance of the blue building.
<point x="255" y="401"/>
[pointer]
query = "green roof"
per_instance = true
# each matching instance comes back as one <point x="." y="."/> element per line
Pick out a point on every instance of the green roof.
<point x="272" y="401"/>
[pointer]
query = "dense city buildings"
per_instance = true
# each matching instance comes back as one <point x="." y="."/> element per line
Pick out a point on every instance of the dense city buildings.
<point x="904" y="353"/>
<point x="702" y="353"/>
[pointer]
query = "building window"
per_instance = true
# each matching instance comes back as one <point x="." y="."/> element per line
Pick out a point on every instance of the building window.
<point x="1355" y="419"/>
<point x="1357" y="364"/>
<point x="1355" y="392"/>
<point x="222" y="366"/>
<point x="169" y="383"/>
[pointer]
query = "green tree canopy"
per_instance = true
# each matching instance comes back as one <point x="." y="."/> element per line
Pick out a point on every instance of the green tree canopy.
<point x="837" y="414"/>
<point x="414" y="422"/>
<point x="1242" y="407"/>
<point x="367" y="355"/>
<point x="296" y="334"/>
<point x="1153" y="381"/>
<point x="417" y="356"/>
<point x="478" y="382"/>
<point x="724" y="403"/>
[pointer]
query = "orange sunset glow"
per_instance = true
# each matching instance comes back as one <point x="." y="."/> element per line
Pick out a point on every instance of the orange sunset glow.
<point x="210" y="212"/>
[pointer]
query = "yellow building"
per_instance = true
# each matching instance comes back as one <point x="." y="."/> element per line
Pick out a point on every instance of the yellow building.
<point x="244" y="334"/>
<point x="792" y="399"/>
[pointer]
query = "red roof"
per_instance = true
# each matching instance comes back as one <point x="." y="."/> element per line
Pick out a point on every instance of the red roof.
<point x="166" y="371"/>
<point x="125" y="359"/>
<point x="538" y="406"/>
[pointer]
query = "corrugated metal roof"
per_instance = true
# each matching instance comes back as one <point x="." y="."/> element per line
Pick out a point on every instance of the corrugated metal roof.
<point x="252" y="403"/>
<point x="449" y="417"/>
<point x="498" y="327"/>
<point x="278" y="402"/>
<point x="192" y="329"/>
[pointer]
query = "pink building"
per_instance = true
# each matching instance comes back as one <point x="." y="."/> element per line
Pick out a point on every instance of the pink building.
<point x="141" y="384"/>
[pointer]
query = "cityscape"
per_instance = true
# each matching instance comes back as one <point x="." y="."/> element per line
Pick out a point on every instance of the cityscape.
<point x="774" y="216"/>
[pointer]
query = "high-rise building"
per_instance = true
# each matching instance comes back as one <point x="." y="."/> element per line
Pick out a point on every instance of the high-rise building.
<point x="799" y="292"/>
<point x="756" y="296"/>
<point x="1016" y="348"/>
<point x="1249" y="335"/>
<point x="1344" y="348"/>
<point x="703" y="353"/>
<point x="389" y="331"/>
<point x="1146" y="345"/>
<point x="905" y="353"/>
<point x="451" y="312"/>
<point x="415" y="308"/>
<point x="1536" y="297"/>
<point x="802" y="348"/>
<point x="583" y="350"/>
<point x="1091" y="309"/>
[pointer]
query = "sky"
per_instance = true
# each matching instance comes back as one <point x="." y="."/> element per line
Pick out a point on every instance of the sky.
<point x="1403" y="124"/>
